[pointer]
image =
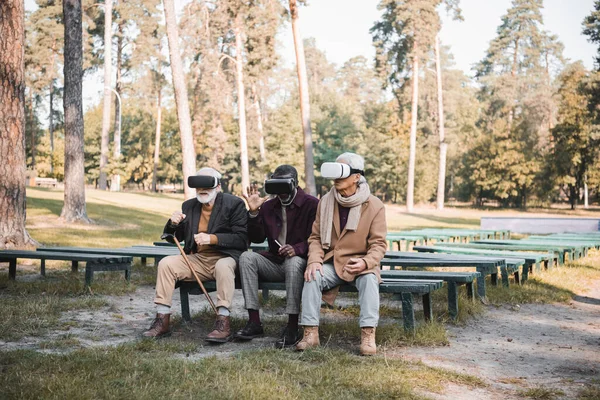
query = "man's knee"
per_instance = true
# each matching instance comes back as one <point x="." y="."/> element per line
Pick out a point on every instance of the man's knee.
<point x="295" y="265"/>
<point x="367" y="281"/>
<point x="225" y="266"/>
<point x="249" y="259"/>
<point x="165" y="264"/>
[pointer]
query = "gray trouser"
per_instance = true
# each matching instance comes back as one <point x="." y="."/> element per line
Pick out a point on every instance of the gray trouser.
<point x="368" y="296"/>
<point x="254" y="266"/>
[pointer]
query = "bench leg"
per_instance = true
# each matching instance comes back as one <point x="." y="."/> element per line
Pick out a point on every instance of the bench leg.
<point x="74" y="266"/>
<point x="89" y="274"/>
<point x="494" y="279"/>
<point x="265" y="294"/>
<point x="185" y="303"/>
<point x="452" y="300"/>
<point x="470" y="291"/>
<point x="144" y="261"/>
<point x="516" y="275"/>
<point x="561" y="258"/>
<point x="128" y="274"/>
<point x="12" y="269"/>
<point x="408" y="312"/>
<point x="481" y="284"/>
<point x="43" y="267"/>
<point x="525" y="275"/>
<point x="504" y="274"/>
<point x="427" y="308"/>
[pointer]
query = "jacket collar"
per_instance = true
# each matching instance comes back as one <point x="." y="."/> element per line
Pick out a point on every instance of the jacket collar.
<point x="298" y="200"/>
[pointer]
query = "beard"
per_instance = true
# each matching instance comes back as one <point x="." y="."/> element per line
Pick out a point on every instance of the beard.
<point x="206" y="198"/>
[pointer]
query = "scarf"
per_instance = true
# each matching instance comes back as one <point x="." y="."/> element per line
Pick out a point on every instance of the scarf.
<point x="353" y="202"/>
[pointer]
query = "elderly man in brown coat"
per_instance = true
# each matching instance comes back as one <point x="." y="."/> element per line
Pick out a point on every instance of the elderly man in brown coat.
<point x="346" y="245"/>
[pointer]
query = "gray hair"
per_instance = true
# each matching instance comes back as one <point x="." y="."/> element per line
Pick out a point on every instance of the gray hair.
<point x="355" y="161"/>
<point x="208" y="171"/>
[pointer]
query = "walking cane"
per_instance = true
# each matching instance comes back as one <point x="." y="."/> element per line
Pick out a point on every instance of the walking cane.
<point x="170" y="237"/>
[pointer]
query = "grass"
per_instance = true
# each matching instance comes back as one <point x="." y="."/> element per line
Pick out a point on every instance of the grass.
<point x="148" y="370"/>
<point x="541" y="393"/>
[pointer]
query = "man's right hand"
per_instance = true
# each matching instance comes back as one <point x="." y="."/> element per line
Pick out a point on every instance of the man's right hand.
<point x="177" y="217"/>
<point x="311" y="271"/>
<point x="253" y="198"/>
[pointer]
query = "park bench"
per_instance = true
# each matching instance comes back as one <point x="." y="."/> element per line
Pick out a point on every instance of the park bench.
<point x="587" y="243"/>
<point x="46" y="182"/>
<point x="507" y="265"/>
<point x="93" y="262"/>
<point x="398" y="237"/>
<point x="452" y="279"/>
<point x="406" y="289"/>
<point x="143" y="252"/>
<point x="541" y="225"/>
<point x="523" y="245"/>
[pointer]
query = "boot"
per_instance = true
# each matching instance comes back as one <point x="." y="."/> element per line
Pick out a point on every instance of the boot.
<point x="159" y="327"/>
<point x="367" y="342"/>
<point x="310" y="339"/>
<point x="221" y="332"/>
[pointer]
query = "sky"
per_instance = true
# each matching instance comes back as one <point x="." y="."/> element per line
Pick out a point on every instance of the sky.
<point x="341" y="29"/>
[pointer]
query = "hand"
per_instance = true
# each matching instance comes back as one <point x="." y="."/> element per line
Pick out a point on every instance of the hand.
<point x="355" y="266"/>
<point x="202" y="238"/>
<point x="311" y="270"/>
<point x="177" y="217"/>
<point x="287" y="251"/>
<point x="253" y="198"/>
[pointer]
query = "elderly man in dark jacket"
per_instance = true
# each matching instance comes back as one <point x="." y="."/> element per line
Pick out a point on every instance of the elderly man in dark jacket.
<point x="214" y="227"/>
<point x="285" y="222"/>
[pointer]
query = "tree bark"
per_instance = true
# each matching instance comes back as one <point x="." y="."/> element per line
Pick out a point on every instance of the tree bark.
<point x="309" y="165"/>
<point x="586" y="203"/>
<point x="107" y="93"/>
<point x="241" y="102"/>
<point x="33" y="130"/>
<point x="443" y="145"/>
<point x="12" y="126"/>
<point x="181" y="98"/>
<point x="157" y="141"/>
<point x="51" y="128"/>
<point x="115" y="185"/>
<point x="410" y="190"/>
<point x="74" y="205"/>
<point x="259" y="125"/>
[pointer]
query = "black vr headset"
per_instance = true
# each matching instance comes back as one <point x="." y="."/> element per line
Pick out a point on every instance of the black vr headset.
<point x="280" y="186"/>
<point x="203" y="181"/>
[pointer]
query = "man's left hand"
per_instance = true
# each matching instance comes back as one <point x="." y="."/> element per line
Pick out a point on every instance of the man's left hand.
<point x="202" y="238"/>
<point x="355" y="266"/>
<point x="287" y="251"/>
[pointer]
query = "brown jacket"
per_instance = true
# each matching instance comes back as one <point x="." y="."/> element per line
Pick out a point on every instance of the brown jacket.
<point x="367" y="242"/>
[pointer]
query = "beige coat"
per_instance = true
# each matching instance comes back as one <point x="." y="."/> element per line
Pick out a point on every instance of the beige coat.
<point x="367" y="242"/>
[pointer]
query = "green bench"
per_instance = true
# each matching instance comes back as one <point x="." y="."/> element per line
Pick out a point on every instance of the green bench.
<point x="523" y="245"/>
<point x="406" y="289"/>
<point x="143" y="252"/>
<point x="452" y="279"/>
<point x="93" y="262"/>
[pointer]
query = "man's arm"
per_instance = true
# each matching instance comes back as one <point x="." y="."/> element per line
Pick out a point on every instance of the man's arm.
<point x="315" y="250"/>
<point x="238" y="238"/>
<point x="301" y="248"/>
<point x="176" y="229"/>
<point x="376" y="244"/>
<point x="256" y="228"/>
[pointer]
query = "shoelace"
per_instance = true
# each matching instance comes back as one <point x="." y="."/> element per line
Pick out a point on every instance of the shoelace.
<point x="155" y="323"/>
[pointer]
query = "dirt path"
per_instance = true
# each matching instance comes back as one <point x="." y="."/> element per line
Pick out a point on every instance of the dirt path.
<point x="555" y="346"/>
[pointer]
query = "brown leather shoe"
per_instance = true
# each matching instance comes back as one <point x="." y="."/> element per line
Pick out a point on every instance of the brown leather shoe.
<point x="221" y="332"/>
<point x="367" y="342"/>
<point x="310" y="339"/>
<point x="159" y="327"/>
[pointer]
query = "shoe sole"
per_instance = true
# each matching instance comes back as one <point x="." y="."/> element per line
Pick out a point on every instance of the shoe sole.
<point x="242" y="337"/>
<point x="215" y="340"/>
<point x="164" y="335"/>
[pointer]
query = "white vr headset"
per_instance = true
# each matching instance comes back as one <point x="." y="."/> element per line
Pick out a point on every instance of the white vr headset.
<point x="335" y="170"/>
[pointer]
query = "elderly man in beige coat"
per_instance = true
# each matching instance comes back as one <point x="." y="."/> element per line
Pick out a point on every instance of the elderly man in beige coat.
<point x="346" y="245"/>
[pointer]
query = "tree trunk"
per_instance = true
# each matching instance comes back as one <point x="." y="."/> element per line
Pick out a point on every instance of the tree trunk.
<point x="241" y="102"/>
<point x="181" y="98"/>
<point x="443" y="145"/>
<point x="259" y="125"/>
<point x="12" y="126"/>
<point x="410" y="190"/>
<point x="107" y="92"/>
<point x="115" y="185"/>
<point x="157" y="141"/>
<point x="74" y="206"/>
<point x="586" y="203"/>
<point x="309" y="165"/>
<point x="51" y="128"/>
<point x="33" y="130"/>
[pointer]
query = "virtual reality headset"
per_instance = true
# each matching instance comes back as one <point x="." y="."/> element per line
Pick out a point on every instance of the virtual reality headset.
<point x="335" y="170"/>
<point x="203" y="181"/>
<point x="280" y="186"/>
